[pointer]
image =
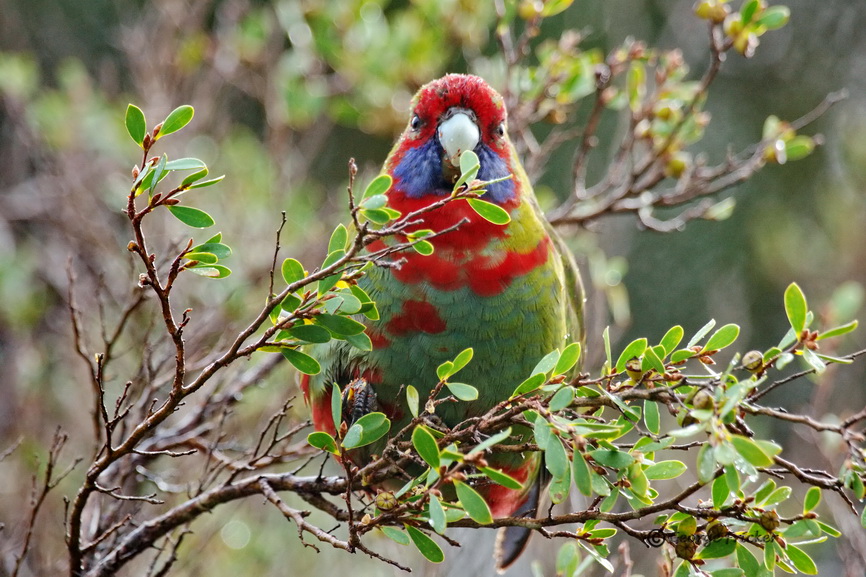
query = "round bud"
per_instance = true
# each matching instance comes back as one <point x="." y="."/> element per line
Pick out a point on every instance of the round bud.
<point x="753" y="361"/>
<point x="769" y="521"/>
<point x="703" y="400"/>
<point x="633" y="369"/>
<point x="686" y="548"/>
<point x="716" y="530"/>
<point x="386" y="501"/>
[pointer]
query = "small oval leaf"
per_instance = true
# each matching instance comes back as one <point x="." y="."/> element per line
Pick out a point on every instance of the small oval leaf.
<point x="301" y="361"/>
<point x="190" y="216"/>
<point x="177" y="119"/>
<point x="473" y="503"/>
<point x="427" y="546"/>
<point x="489" y="211"/>
<point x="136" y="125"/>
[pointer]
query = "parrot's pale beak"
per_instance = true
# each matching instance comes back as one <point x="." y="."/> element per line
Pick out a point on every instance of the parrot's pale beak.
<point x="458" y="133"/>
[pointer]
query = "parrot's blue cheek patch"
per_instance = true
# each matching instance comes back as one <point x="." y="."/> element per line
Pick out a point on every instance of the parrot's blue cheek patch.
<point x="420" y="171"/>
<point x="494" y="166"/>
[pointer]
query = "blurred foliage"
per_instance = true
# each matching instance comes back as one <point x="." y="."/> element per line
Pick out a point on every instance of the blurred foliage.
<point x="286" y="92"/>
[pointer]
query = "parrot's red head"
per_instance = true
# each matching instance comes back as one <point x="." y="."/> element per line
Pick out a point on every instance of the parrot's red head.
<point x="455" y="113"/>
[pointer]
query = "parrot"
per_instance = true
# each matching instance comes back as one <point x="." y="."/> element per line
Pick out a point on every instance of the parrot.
<point x="511" y="292"/>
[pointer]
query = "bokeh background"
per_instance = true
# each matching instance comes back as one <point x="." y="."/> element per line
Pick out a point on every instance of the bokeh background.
<point x="285" y="93"/>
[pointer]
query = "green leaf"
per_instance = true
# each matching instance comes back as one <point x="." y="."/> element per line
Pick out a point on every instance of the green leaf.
<point x="473" y="503"/>
<point x="205" y="183"/>
<point x="323" y="441"/>
<point x="774" y="17"/>
<point x="561" y="399"/>
<point x="185" y="164"/>
<point x="580" y="473"/>
<point x="336" y="405"/>
<point x="310" y="333"/>
<point x="665" y="470"/>
<point x="374" y="202"/>
<point x="814" y="360"/>
<point x="469" y="165"/>
<point x="530" y="384"/>
<point x="751" y="451"/>
<point x="191" y="178"/>
<point x="425" y="444"/>
<point x="292" y="270"/>
<point x="701" y="333"/>
<point x="672" y="338"/>
<point x="687" y="526"/>
<point x="217" y="249"/>
<point x="376" y="215"/>
<point x="489" y="211"/>
<point x="463" y="391"/>
<point x="368" y="429"/>
<point x="612" y="458"/>
<point x="191" y="216"/>
<point x="652" y="360"/>
<point x="837" y="331"/>
<point x="215" y="271"/>
<point x="801" y="560"/>
<point x="461" y="361"/>
<point x="501" y="478"/>
<point x="378" y="185"/>
<point x="201" y="257"/>
<point x="799" y="147"/>
<point x="301" y="361"/>
<point x="718" y="549"/>
<point x="567" y="359"/>
<point x="290" y="304"/>
<point x="567" y="560"/>
<point x="395" y="535"/>
<point x="635" y="349"/>
<point x="706" y="463"/>
<point x="777" y="496"/>
<point x="339" y="238"/>
<point x="720" y="491"/>
<point x="424" y="247"/>
<point x="747" y="11"/>
<point x="412" y="399"/>
<point x="555" y="458"/>
<point x="651" y="416"/>
<point x="157" y="175"/>
<point x="431" y="551"/>
<point x="605" y="337"/>
<point x="722" y="337"/>
<point x="136" y="125"/>
<point x="437" y="515"/>
<point x="812" y="499"/>
<point x="728" y="572"/>
<point x="554" y="7"/>
<point x="177" y="119"/>
<point x="559" y="487"/>
<point x="796" y="308"/>
<point x="339" y="325"/>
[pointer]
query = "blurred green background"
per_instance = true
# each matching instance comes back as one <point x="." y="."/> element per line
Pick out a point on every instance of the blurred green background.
<point x="285" y="93"/>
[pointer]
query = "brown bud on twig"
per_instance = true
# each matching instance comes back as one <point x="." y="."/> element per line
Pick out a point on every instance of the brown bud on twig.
<point x="135" y="172"/>
<point x="156" y="129"/>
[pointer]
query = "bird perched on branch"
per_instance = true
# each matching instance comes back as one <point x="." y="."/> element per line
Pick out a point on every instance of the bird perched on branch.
<point x="511" y="292"/>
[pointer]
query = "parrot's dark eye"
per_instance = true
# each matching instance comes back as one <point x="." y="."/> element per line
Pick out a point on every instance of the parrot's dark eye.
<point x="500" y="129"/>
<point x="415" y="124"/>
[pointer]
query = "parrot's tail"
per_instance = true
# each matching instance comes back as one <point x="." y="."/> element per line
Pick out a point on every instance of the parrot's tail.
<point x="512" y="541"/>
